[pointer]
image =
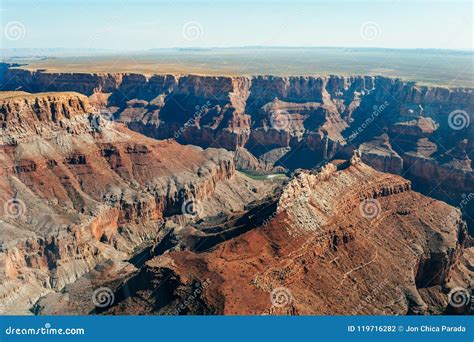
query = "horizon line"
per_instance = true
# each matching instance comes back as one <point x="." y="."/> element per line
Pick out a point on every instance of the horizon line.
<point x="197" y="48"/>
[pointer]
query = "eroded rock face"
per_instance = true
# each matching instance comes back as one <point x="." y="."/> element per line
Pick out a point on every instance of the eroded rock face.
<point x="77" y="190"/>
<point x="347" y="240"/>
<point x="314" y="118"/>
<point x="380" y="155"/>
<point x="92" y="191"/>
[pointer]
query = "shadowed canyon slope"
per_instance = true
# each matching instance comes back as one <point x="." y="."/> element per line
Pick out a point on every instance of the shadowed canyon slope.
<point x="92" y="199"/>
<point x="77" y="189"/>
<point x="424" y="133"/>
<point x="318" y="254"/>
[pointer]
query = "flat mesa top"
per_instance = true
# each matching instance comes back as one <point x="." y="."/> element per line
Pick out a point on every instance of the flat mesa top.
<point x="430" y="67"/>
<point x="12" y="95"/>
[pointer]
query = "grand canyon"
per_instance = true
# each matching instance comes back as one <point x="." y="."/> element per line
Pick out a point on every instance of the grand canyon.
<point x="178" y="194"/>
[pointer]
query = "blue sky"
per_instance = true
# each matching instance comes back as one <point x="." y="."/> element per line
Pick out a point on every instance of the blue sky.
<point x="145" y="24"/>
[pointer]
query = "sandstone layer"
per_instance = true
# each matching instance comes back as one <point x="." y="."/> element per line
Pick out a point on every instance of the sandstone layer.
<point x="292" y="122"/>
<point x="77" y="190"/>
<point x="89" y="199"/>
<point x="347" y="240"/>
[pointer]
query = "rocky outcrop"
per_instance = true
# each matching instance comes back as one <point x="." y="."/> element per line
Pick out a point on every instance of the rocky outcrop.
<point x="81" y="186"/>
<point x="314" y="118"/>
<point x="244" y="160"/>
<point x="380" y="155"/>
<point x="77" y="190"/>
<point x="347" y="234"/>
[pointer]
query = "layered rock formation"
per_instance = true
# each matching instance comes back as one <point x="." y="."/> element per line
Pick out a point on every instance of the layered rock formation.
<point x="77" y="190"/>
<point x="88" y="201"/>
<point x="293" y="122"/>
<point x="347" y="240"/>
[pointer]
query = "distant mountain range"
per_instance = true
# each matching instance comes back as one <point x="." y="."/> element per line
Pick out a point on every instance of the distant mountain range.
<point x="60" y="52"/>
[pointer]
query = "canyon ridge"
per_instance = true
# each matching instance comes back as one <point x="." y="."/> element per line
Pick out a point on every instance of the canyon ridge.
<point x="184" y="194"/>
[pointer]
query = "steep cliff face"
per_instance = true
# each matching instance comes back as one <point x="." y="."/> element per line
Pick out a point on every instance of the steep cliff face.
<point x="257" y="112"/>
<point x="77" y="190"/>
<point x="79" y="187"/>
<point x="398" y="126"/>
<point x="211" y="111"/>
<point x="347" y="234"/>
<point x="380" y="154"/>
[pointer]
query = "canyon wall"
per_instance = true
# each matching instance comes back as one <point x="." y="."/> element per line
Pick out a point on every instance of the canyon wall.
<point x="425" y="133"/>
<point x="77" y="190"/>
<point x="81" y="186"/>
<point x="334" y="239"/>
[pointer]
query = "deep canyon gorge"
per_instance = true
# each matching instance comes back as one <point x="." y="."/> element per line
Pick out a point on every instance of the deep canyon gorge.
<point x="188" y="194"/>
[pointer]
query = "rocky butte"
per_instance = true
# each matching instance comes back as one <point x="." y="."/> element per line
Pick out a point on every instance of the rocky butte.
<point x="233" y="195"/>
